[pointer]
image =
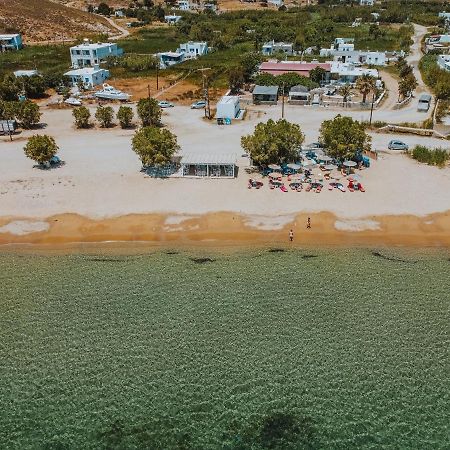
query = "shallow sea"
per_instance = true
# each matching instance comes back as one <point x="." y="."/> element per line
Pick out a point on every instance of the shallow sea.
<point x="307" y="348"/>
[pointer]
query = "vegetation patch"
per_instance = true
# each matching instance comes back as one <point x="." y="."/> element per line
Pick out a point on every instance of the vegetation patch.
<point x="431" y="156"/>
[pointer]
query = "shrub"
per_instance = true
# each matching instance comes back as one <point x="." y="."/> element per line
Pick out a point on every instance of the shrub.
<point x="82" y="116"/>
<point x="105" y="116"/>
<point x="433" y="157"/>
<point x="125" y="116"/>
<point x="41" y="148"/>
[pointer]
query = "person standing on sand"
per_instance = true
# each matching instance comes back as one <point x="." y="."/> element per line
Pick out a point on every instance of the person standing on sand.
<point x="308" y="223"/>
<point x="291" y="235"/>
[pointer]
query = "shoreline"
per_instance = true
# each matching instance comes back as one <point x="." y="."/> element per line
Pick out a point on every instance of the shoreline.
<point x="226" y="230"/>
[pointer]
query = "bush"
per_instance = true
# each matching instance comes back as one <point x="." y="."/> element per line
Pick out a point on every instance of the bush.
<point x="125" y="116"/>
<point x="149" y="112"/>
<point x="433" y="157"/>
<point x="105" y="116"/>
<point x="41" y="148"/>
<point x="82" y="116"/>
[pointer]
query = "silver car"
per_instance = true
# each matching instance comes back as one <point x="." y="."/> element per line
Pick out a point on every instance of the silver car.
<point x="397" y="145"/>
<point x="198" y="105"/>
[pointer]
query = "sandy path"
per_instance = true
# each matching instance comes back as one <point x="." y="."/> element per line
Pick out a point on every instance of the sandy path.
<point x="123" y="32"/>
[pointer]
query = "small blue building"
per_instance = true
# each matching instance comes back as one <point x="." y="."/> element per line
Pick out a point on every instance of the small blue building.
<point x="10" y="42"/>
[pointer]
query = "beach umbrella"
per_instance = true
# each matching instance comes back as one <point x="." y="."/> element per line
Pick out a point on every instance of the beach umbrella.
<point x="330" y="167"/>
<point x="309" y="164"/>
<point x="274" y="167"/>
<point x="274" y="175"/>
<point x="294" y="166"/>
<point x="319" y="152"/>
<point x="349" y="164"/>
<point x="325" y="158"/>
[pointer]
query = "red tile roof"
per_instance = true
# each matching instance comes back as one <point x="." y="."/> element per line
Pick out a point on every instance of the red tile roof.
<point x="275" y="68"/>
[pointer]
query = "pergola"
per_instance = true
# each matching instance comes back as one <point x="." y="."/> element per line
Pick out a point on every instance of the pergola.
<point x="207" y="165"/>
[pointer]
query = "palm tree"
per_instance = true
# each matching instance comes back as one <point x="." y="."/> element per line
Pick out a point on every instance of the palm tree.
<point x="365" y="85"/>
<point x="345" y="91"/>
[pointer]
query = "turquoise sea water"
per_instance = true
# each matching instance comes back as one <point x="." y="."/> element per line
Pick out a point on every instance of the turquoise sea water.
<point x="330" y="349"/>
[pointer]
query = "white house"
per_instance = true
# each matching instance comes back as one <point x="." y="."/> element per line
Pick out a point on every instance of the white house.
<point x="167" y="59"/>
<point x="89" y="76"/>
<point x="228" y="107"/>
<point x="348" y="73"/>
<point x="191" y="49"/>
<point x="172" y="20"/>
<point x="10" y="42"/>
<point x="183" y="5"/>
<point x="276" y="3"/>
<point x="88" y="54"/>
<point x="366" y="2"/>
<point x="25" y="73"/>
<point x="269" y="48"/>
<point x="343" y="50"/>
<point x="443" y="62"/>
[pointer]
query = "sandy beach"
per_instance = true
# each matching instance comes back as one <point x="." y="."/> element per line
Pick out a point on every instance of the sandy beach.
<point x="100" y="193"/>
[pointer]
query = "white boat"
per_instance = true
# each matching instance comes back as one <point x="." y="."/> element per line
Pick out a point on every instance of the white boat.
<point x="72" y="101"/>
<point x="110" y="93"/>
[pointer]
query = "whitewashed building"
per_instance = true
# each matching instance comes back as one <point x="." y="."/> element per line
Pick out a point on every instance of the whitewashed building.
<point x="276" y="3"/>
<point x="10" y="42"/>
<point x="366" y="2"/>
<point x="443" y="62"/>
<point x="172" y="19"/>
<point x="89" y="76"/>
<point x="343" y="50"/>
<point x="191" y="49"/>
<point x="348" y="73"/>
<point x="269" y="48"/>
<point x="183" y="5"/>
<point x="25" y="73"/>
<point x="88" y="54"/>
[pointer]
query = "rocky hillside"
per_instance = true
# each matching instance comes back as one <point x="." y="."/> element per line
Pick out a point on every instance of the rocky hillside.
<point x="43" y="20"/>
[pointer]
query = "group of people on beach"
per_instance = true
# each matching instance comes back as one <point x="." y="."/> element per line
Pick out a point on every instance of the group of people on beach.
<point x="291" y="232"/>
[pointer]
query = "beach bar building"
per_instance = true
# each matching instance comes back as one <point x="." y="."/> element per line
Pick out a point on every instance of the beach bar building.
<point x="208" y="165"/>
<point x="265" y="94"/>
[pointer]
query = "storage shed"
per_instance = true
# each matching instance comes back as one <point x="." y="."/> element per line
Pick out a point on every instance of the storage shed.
<point x="265" y="94"/>
<point x="228" y="107"/>
<point x="299" y="95"/>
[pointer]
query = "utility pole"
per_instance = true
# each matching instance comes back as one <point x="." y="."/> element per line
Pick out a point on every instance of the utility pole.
<point x="371" y="108"/>
<point x="157" y="76"/>
<point x="148" y="90"/>
<point x="282" y="102"/>
<point x="206" y="94"/>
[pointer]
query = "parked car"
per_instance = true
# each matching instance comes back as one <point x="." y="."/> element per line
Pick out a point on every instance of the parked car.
<point x="397" y="145"/>
<point x="165" y="104"/>
<point x="199" y="104"/>
<point x="424" y="103"/>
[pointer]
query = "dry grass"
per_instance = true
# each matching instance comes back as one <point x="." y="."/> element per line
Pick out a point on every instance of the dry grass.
<point x="44" y="20"/>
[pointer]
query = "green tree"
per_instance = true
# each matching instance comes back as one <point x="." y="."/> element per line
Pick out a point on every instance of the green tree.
<point x="103" y="9"/>
<point x="125" y="116"/>
<point x="9" y="88"/>
<point x="317" y="75"/>
<point x="34" y="86"/>
<point x="343" y="136"/>
<point x="154" y="146"/>
<point x="105" y="116"/>
<point x="406" y="86"/>
<point x="273" y="142"/>
<point x="250" y="62"/>
<point x="346" y="92"/>
<point x="82" y="116"/>
<point x="365" y="85"/>
<point x="149" y="112"/>
<point x="235" y="79"/>
<point x="41" y="148"/>
<point x="28" y="114"/>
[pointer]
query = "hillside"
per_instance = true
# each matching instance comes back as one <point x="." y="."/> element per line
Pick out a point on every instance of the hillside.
<point x="43" y="20"/>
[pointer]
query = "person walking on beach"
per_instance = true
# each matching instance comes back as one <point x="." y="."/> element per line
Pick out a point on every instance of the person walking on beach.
<point x="291" y="235"/>
<point x="308" y="223"/>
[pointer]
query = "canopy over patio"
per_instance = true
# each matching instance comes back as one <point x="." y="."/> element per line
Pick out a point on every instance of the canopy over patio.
<point x="208" y="165"/>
